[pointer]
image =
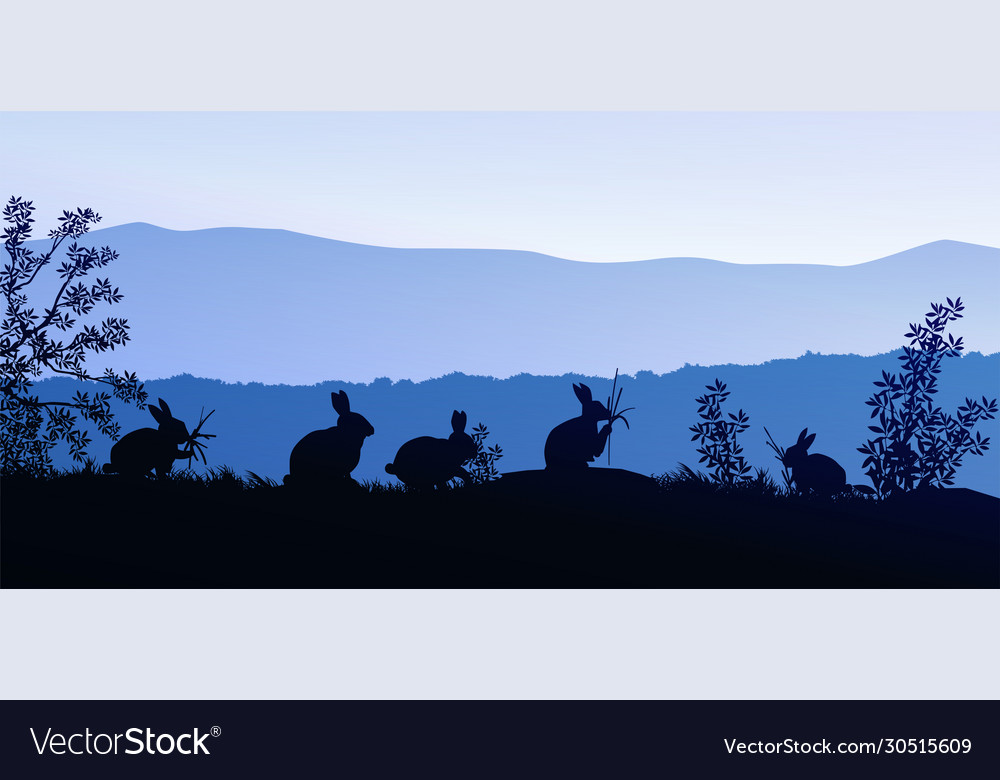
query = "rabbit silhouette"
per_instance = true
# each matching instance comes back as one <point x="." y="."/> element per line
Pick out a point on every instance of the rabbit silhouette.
<point x="818" y="473"/>
<point x="426" y="462"/>
<point x="576" y="442"/>
<point x="333" y="453"/>
<point x="141" y="451"/>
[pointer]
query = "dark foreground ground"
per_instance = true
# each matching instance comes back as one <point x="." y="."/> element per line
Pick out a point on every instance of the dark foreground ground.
<point x="603" y="529"/>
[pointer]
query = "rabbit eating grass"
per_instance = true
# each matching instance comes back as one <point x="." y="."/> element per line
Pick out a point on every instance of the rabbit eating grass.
<point x="576" y="442"/>
<point x="139" y="452"/>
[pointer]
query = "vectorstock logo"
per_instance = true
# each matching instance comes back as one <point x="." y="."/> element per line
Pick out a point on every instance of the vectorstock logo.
<point x="137" y="741"/>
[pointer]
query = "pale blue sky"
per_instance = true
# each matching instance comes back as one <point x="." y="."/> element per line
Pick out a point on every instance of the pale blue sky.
<point x="749" y="187"/>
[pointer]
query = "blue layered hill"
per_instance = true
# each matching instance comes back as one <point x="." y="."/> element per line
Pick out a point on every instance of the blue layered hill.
<point x="257" y="424"/>
<point x="272" y="306"/>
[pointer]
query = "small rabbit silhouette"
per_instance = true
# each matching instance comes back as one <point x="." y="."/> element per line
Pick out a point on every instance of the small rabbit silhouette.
<point x="425" y="462"/>
<point x="141" y="451"/>
<point x="332" y="453"/>
<point x="576" y="442"/>
<point x="815" y="472"/>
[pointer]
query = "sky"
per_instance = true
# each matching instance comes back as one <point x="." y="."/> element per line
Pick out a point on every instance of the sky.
<point x="835" y="188"/>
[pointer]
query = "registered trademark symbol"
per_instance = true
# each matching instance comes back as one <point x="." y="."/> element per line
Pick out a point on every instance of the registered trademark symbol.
<point x="216" y="731"/>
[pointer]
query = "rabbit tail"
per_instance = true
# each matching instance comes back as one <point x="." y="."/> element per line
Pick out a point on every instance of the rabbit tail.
<point x="390" y="468"/>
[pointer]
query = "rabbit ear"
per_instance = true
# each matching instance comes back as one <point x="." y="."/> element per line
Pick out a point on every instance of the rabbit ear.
<point x="802" y="436"/>
<point x="340" y="403"/>
<point x="583" y="393"/>
<point x="458" y="420"/>
<point x="165" y="408"/>
<point x="159" y="415"/>
<point x="809" y="440"/>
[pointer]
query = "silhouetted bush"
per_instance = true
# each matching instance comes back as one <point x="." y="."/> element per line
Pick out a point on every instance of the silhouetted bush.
<point x="917" y="443"/>
<point x="29" y="427"/>
<point x="483" y="468"/>
<point x="719" y="449"/>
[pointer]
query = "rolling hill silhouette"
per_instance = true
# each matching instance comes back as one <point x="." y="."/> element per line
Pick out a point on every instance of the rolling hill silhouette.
<point x="257" y="425"/>
<point x="279" y="307"/>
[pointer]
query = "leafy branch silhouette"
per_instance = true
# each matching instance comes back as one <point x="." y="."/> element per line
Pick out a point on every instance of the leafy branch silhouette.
<point x="30" y="428"/>
<point x="483" y="467"/>
<point x="716" y="436"/>
<point x="917" y="444"/>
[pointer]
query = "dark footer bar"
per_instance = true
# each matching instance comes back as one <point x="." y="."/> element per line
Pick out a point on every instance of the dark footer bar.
<point x="498" y="739"/>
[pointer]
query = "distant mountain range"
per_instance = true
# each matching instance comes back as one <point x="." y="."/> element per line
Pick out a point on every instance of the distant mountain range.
<point x="278" y="307"/>
<point x="257" y="425"/>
